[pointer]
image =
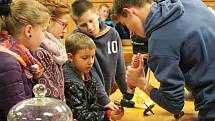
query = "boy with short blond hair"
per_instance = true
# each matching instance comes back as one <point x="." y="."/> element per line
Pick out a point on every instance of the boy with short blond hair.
<point x="80" y="84"/>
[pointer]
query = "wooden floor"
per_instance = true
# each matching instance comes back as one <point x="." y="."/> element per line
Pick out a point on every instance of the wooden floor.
<point x="136" y="114"/>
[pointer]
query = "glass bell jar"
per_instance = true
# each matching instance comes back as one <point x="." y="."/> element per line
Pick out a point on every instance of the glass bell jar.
<point x="40" y="108"/>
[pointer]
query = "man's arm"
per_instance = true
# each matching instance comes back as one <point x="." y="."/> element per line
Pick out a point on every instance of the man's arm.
<point x="170" y="94"/>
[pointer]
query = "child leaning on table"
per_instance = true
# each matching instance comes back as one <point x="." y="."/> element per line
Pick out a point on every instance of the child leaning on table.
<point x="80" y="84"/>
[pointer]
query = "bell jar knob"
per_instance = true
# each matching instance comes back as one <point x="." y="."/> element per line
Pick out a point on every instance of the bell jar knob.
<point x="39" y="90"/>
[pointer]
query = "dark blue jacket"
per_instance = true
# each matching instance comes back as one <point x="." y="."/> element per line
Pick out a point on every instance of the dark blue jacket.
<point x="181" y="52"/>
<point x="14" y="86"/>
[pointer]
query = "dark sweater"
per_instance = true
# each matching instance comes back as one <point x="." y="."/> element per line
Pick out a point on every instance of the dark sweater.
<point x="81" y="96"/>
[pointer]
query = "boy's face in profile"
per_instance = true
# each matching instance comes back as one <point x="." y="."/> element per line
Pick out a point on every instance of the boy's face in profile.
<point x="88" y="23"/>
<point x="83" y="60"/>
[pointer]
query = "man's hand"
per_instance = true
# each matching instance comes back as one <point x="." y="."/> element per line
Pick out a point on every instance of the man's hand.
<point x="136" y="76"/>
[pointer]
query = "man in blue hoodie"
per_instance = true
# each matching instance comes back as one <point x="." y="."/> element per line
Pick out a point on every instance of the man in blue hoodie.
<point x="181" y="51"/>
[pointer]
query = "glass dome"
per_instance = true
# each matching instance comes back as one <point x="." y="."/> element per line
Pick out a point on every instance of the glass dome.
<point x="40" y="108"/>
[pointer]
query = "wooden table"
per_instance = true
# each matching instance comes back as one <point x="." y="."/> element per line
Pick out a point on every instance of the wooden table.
<point x="136" y="114"/>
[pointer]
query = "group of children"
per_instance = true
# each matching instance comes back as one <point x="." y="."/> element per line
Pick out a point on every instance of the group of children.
<point x="81" y="74"/>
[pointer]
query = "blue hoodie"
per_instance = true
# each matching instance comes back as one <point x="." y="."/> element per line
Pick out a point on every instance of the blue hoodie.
<point x="181" y="52"/>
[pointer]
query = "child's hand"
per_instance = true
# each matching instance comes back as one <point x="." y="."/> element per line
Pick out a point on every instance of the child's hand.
<point x="117" y="114"/>
<point x="36" y="70"/>
<point x="112" y="106"/>
<point x="191" y="117"/>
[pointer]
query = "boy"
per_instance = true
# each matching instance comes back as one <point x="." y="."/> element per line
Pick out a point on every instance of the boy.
<point x="80" y="84"/>
<point x="109" y="62"/>
<point x="181" y="51"/>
